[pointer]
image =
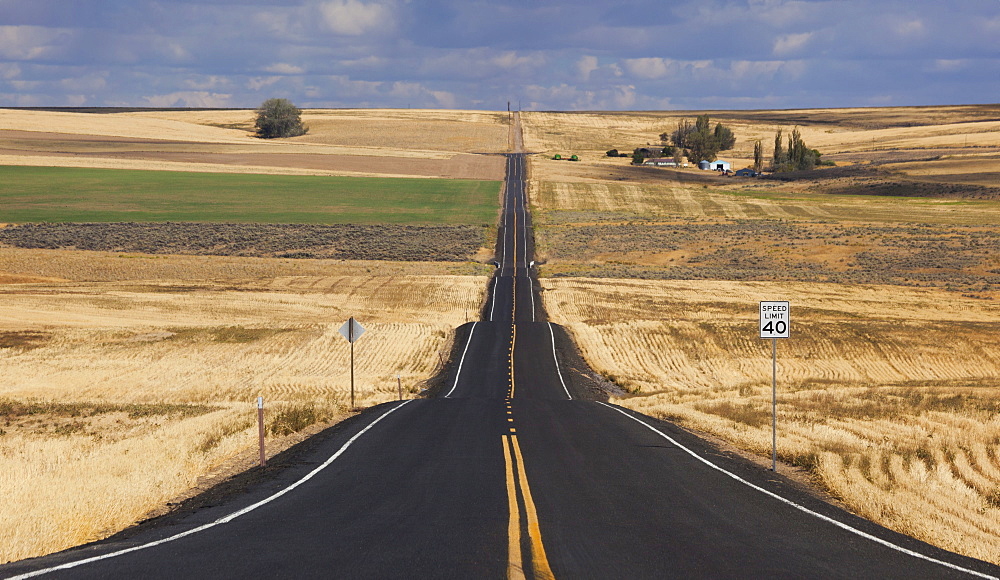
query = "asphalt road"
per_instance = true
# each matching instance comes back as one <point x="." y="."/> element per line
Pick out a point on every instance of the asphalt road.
<point x="510" y="471"/>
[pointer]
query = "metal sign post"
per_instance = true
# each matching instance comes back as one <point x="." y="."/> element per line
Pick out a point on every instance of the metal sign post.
<point x="399" y="384"/>
<point x="775" y="323"/>
<point x="352" y="331"/>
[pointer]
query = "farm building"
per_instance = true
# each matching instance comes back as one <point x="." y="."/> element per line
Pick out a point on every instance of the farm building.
<point x="717" y="165"/>
<point x="720" y="165"/>
<point x="746" y="173"/>
<point x="663" y="162"/>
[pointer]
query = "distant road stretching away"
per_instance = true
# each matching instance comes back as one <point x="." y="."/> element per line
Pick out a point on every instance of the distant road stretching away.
<point x="512" y="471"/>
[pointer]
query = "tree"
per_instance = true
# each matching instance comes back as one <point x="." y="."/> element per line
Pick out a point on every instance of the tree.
<point x="638" y="157"/>
<point x="279" y="118"/>
<point x="700" y="140"/>
<point x="725" y="137"/>
<point x="798" y="156"/>
<point x="612" y="153"/>
<point x="758" y="156"/>
<point x="780" y="158"/>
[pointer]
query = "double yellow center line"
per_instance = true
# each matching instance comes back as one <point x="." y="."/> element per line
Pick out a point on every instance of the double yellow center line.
<point x="519" y="483"/>
<point x="518" y="491"/>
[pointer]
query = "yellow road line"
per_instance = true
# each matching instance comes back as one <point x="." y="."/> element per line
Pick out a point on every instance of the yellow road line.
<point x="513" y="315"/>
<point x="515" y="564"/>
<point x="539" y="561"/>
<point x="513" y="339"/>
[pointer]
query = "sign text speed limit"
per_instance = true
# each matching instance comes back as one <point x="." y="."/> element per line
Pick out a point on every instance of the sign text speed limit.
<point x="775" y="319"/>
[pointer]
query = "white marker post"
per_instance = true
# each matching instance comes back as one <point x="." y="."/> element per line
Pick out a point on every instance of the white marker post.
<point x="775" y="323"/>
<point x="260" y="429"/>
<point x="352" y="331"/>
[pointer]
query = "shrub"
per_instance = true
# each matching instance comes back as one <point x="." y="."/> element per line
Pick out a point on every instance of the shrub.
<point x="278" y="118"/>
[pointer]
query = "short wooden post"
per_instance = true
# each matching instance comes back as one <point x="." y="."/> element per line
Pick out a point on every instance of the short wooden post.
<point x="260" y="429"/>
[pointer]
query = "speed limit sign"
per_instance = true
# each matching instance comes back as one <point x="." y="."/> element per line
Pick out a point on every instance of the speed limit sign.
<point x="775" y="320"/>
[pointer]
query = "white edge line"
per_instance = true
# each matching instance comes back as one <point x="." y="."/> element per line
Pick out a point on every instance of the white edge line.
<point x="222" y="520"/>
<point x="789" y="502"/>
<point x="458" y="373"/>
<point x="531" y="288"/>
<point x="503" y="263"/>
<point x="493" y="306"/>
<point x="555" y="358"/>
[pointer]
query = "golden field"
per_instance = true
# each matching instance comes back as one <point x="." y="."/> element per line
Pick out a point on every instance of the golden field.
<point x="857" y="135"/>
<point x="117" y="367"/>
<point x="889" y="396"/>
<point x="112" y="357"/>
<point x="888" y="386"/>
<point x="366" y="142"/>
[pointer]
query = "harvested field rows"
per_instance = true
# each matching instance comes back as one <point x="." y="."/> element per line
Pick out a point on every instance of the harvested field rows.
<point x="745" y="199"/>
<point x="167" y="371"/>
<point x="26" y="266"/>
<point x="887" y="398"/>
<point x="339" y="142"/>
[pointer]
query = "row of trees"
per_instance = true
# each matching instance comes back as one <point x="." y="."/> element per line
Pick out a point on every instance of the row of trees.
<point x="797" y="156"/>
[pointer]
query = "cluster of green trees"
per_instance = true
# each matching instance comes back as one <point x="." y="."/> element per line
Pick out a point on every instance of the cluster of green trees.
<point x="699" y="141"/>
<point x="796" y="156"/>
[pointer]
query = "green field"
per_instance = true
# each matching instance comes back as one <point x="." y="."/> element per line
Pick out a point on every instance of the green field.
<point x="57" y="194"/>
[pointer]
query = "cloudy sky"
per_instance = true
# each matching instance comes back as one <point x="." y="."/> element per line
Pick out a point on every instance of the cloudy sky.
<point x="586" y="54"/>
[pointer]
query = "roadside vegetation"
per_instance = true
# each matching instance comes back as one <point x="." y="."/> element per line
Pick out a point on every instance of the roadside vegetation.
<point x="444" y="243"/>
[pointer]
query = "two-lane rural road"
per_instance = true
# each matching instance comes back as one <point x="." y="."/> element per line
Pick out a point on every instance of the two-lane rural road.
<point x="510" y="471"/>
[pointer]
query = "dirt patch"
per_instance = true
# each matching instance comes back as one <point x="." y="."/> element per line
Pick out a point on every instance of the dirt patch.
<point x="8" y="278"/>
<point x="345" y="242"/>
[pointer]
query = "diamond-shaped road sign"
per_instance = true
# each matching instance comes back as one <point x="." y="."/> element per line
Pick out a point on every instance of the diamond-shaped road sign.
<point x="352" y="330"/>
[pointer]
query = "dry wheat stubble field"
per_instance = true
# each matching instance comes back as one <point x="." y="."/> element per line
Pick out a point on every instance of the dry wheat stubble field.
<point x="340" y="142"/>
<point x="889" y="386"/>
<point x="108" y="358"/>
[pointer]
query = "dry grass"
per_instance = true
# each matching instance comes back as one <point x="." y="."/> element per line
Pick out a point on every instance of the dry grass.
<point x="830" y="130"/>
<point x="888" y="392"/>
<point x="888" y="395"/>
<point x="407" y="143"/>
<point x="600" y="217"/>
<point x="135" y="377"/>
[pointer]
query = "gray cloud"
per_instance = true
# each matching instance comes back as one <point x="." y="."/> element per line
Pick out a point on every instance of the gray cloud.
<point x="451" y="53"/>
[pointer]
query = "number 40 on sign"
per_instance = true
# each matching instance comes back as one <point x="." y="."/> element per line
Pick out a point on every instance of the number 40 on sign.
<point x="774" y="319"/>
